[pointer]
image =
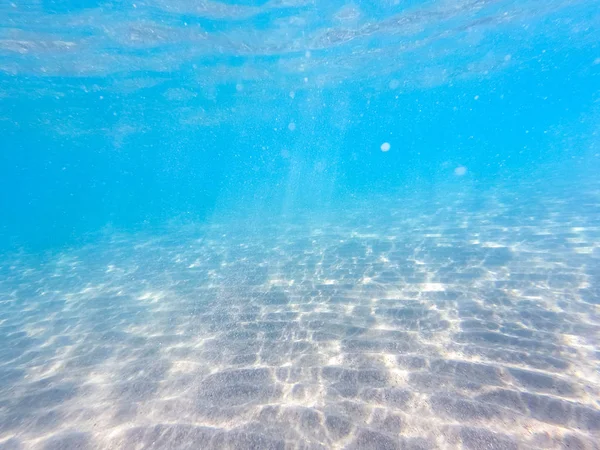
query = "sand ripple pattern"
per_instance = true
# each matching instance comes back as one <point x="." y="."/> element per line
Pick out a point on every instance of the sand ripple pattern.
<point x="460" y="328"/>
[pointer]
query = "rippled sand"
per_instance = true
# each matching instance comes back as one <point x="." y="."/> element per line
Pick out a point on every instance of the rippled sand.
<point x="384" y="328"/>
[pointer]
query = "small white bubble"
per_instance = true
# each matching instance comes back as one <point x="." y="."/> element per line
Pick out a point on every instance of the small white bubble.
<point x="394" y="84"/>
<point x="460" y="171"/>
<point x="597" y="61"/>
<point x="476" y="97"/>
<point x="306" y="79"/>
<point x="507" y="58"/>
<point x="239" y="87"/>
<point x="385" y="146"/>
<point x="307" y="54"/>
<point x="291" y="126"/>
<point x="292" y="94"/>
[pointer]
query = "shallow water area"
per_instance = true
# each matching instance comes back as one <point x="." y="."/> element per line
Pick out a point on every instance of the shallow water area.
<point x="299" y="224"/>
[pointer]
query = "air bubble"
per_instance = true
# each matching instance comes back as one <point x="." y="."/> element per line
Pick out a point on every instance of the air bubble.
<point x="460" y="171"/>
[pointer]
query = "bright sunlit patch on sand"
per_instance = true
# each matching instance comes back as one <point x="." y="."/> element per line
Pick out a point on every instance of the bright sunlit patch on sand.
<point x="492" y="245"/>
<point x="183" y="367"/>
<point x="432" y="287"/>
<point x="152" y="296"/>
<point x="281" y="282"/>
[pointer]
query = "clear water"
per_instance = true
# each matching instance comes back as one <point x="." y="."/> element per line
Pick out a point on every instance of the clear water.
<point x="299" y="224"/>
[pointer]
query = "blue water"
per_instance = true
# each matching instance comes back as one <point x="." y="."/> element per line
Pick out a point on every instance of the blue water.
<point x="299" y="224"/>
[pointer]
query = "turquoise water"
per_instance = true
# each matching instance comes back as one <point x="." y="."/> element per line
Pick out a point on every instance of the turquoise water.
<point x="299" y="224"/>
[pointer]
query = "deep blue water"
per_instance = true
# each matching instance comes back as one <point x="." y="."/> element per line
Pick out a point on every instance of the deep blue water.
<point x="299" y="224"/>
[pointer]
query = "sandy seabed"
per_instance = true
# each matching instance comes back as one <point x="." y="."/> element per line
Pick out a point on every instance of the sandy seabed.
<point x="460" y="327"/>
